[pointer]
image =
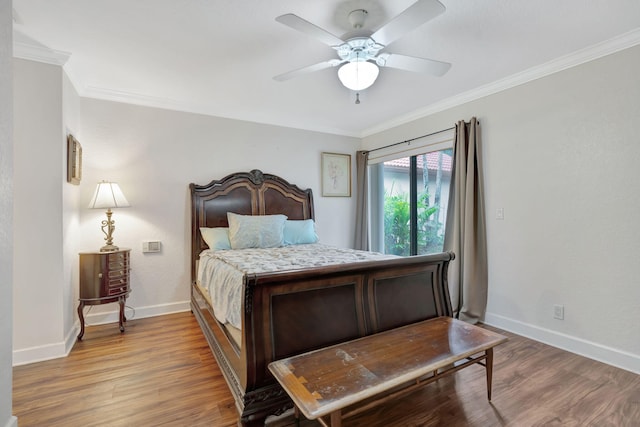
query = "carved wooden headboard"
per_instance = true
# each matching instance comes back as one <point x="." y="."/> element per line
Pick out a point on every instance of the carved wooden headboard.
<point x="245" y="193"/>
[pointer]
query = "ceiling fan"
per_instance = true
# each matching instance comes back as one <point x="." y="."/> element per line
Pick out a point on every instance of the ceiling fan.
<point x="360" y="57"/>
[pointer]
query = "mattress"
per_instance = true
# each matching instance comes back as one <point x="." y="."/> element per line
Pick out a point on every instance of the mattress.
<point x="233" y="332"/>
<point x="221" y="273"/>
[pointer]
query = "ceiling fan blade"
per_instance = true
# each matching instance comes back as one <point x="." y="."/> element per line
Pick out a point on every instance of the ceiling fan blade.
<point x="414" y="16"/>
<point x="410" y="63"/>
<point x="307" y="70"/>
<point x="297" y="23"/>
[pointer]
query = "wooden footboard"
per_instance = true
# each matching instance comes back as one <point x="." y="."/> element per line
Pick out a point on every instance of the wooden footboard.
<point x="293" y="312"/>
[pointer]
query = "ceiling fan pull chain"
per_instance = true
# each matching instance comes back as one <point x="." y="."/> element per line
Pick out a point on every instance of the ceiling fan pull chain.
<point x="357" y="97"/>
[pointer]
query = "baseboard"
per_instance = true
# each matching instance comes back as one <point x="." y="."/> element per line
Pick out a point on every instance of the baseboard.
<point x="62" y="349"/>
<point x="71" y="338"/>
<point x="91" y="319"/>
<point x="601" y="353"/>
<point x="12" y="422"/>
<point x="39" y="353"/>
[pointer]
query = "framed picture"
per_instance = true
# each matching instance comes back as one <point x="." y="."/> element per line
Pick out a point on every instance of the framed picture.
<point x="336" y="175"/>
<point x="74" y="160"/>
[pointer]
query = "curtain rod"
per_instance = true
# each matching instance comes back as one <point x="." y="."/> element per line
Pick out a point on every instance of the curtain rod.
<point x="417" y="137"/>
<point x="412" y="139"/>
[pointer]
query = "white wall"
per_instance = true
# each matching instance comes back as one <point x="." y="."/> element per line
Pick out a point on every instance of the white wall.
<point x="561" y="156"/>
<point x="6" y="213"/>
<point x="38" y="210"/>
<point x="154" y="154"/>
<point x="70" y="215"/>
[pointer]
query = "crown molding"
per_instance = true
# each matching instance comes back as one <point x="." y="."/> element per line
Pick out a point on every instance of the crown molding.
<point x="24" y="47"/>
<point x="582" y="56"/>
<point x="27" y="48"/>
<point x="188" y="107"/>
<point x="616" y="44"/>
<point x="17" y="19"/>
<point x="39" y="54"/>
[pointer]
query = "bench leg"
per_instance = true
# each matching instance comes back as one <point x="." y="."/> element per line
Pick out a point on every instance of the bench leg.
<point x="489" y="368"/>
<point x="336" y="418"/>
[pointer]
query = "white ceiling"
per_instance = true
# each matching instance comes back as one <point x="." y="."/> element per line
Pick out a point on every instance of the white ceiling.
<point x="219" y="56"/>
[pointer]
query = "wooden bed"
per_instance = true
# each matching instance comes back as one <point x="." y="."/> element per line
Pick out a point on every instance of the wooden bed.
<point x="287" y="313"/>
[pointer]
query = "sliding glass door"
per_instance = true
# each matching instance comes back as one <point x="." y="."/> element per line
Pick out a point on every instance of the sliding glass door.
<point x="411" y="202"/>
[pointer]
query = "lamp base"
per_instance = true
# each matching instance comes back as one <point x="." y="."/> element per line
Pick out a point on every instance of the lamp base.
<point x="109" y="248"/>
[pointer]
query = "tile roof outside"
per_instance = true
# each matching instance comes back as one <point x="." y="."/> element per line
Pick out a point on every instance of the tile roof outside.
<point x="432" y="162"/>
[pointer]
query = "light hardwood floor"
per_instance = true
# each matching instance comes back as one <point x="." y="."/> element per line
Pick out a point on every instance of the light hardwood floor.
<point x="160" y="372"/>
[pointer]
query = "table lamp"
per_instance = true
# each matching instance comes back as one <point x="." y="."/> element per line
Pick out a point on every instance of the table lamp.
<point x="108" y="195"/>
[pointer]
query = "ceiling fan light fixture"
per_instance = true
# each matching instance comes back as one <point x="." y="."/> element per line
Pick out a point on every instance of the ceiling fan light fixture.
<point x="358" y="75"/>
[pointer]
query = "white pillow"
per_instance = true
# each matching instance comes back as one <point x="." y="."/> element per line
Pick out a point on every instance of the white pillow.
<point x="216" y="238"/>
<point x="256" y="231"/>
<point x="298" y="232"/>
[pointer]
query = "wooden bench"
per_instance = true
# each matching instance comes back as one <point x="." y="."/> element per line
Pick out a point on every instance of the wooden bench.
<point x="368" y="371"/>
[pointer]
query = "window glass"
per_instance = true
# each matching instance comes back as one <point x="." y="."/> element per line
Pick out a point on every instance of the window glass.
<point x="396" y="206"/>
<point x="430" y="175"/>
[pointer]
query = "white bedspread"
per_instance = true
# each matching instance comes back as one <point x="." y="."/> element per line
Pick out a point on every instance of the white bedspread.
<point x="222" y="272"/>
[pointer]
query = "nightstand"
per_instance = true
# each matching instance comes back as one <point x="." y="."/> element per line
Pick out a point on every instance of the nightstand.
<point x="104" y="278"/>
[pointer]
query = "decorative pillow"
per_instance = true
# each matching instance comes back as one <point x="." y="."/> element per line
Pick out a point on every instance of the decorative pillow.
<point x="256" y="231"/>
<point x="216" y="238"/>
<point x="297" y="232"/>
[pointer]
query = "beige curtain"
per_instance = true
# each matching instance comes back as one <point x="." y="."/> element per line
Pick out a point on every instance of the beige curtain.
<point x="465" y="232"/>
<point x="362" y="202"/>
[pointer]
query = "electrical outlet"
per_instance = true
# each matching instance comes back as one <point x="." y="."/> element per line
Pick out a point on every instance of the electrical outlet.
<point x="558" y="312"/>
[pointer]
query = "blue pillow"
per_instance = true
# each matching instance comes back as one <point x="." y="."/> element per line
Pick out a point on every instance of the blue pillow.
<point x="255" y="231"/>
<point x="216" y="238"/>
<point x="300" y="232"/>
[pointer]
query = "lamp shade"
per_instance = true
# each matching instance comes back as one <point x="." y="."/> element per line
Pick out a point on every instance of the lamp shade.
<point x="108" y="195"/>
<point x="358" y="75"/>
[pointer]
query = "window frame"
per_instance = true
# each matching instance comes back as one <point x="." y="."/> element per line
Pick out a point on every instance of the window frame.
<point x="437" y="141"/>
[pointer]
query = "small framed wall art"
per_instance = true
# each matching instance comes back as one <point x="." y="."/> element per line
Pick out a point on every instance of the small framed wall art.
<point x="336" y="175"/>
<point x="74" y="160"/>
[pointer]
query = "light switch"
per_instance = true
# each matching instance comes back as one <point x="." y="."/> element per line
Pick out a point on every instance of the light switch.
<point x="500" y="213"/>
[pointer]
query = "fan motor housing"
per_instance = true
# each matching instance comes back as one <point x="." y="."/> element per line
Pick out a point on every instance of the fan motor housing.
<point x="358" y="49"/>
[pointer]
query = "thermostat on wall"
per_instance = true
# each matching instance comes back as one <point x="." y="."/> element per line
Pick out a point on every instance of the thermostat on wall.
<point x="151" y="246"/>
